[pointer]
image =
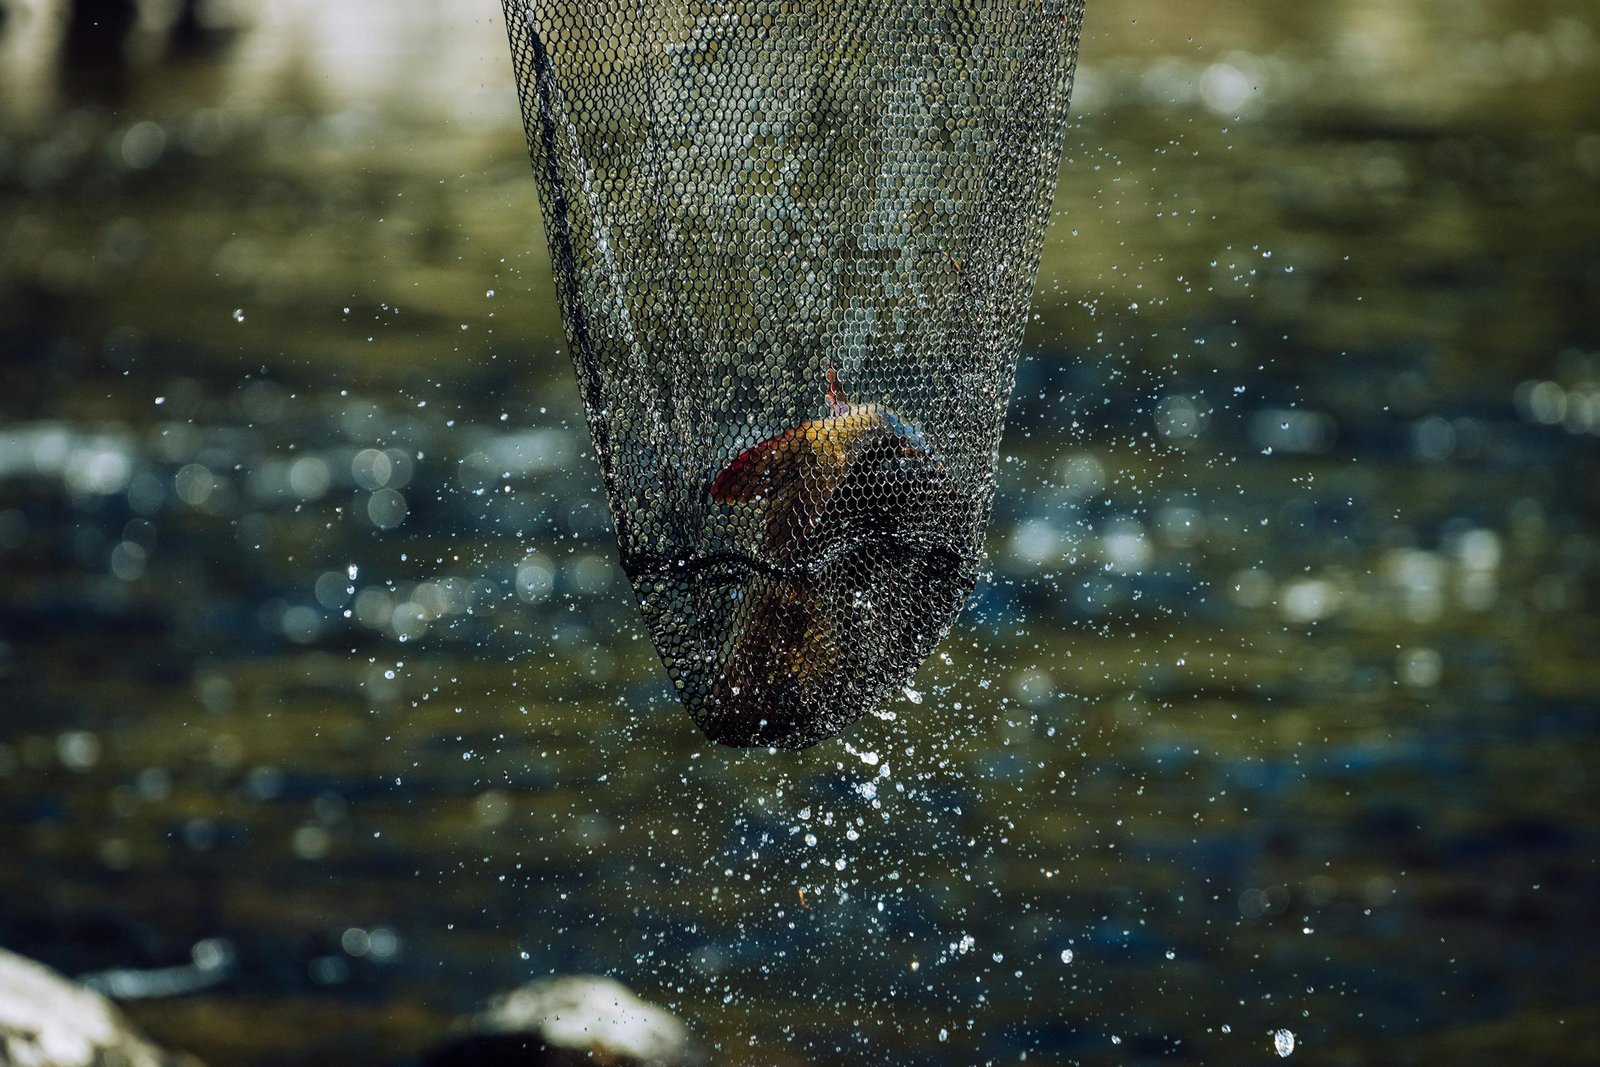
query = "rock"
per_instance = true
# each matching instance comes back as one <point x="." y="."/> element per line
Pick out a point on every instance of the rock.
<point x="48" y="1021"/>
<point x="556" y="1022"/>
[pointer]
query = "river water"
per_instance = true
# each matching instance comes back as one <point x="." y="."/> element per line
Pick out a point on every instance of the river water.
<point x="322" y="696"/>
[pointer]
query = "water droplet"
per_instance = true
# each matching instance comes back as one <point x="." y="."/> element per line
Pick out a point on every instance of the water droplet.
<point x="1283" y="1042"/>
<point x="238" y="314"/>
<point x="1066" y="955"/>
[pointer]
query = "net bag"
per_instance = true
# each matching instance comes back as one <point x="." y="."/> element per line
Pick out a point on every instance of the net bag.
<point x="795" y="243"/>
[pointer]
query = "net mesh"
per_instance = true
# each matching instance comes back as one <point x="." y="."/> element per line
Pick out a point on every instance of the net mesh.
<point x="795" y="243"/>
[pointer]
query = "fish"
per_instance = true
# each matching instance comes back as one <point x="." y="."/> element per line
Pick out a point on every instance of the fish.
<point x="838" y="505"/>
<point x="797" y="475"/>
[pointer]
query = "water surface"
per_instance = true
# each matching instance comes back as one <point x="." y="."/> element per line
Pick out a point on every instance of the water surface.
<point x="1276" y="709"/>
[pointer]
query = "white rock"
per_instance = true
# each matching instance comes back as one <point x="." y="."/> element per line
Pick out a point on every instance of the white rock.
<point x="580" y="1013"/>
<point x="48" y="1021"/>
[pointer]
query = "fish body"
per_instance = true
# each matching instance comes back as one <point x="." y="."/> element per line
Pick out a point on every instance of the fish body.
<point x="797" y="475"/>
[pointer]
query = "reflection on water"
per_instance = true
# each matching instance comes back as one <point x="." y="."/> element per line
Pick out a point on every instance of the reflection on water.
<point x="327" y="714"/>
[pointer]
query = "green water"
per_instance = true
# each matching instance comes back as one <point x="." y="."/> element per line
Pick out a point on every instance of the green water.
<point x="1278" y="708"/>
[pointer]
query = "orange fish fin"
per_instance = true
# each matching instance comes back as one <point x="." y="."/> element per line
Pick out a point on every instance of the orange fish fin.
<point x="838" y="403"/>
<point x="760" y="469"/>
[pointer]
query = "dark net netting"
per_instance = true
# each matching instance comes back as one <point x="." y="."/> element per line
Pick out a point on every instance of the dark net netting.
<point x="795" y="243"/>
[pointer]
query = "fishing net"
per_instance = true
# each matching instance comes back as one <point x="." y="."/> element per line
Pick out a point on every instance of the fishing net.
<point x="795" y="243"/>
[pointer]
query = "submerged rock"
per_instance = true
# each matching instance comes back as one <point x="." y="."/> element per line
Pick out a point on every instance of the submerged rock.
<point x="48" y="1021"/>
<point x="554" y="1022"/>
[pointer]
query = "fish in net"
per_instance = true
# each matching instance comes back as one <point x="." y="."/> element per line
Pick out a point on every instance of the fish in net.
<point x="794" y="243"/>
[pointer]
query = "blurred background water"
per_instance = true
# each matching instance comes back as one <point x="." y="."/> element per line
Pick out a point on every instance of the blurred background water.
<point x="325" y="713"/>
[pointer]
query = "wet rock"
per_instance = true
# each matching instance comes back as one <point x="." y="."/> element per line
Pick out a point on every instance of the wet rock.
<point x="556" y="1022"/>
<point x="48" y="1021"/>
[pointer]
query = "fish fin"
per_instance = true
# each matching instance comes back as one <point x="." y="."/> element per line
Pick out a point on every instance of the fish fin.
<point x="838" y="403"/>
<point x="760" y="469"/>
